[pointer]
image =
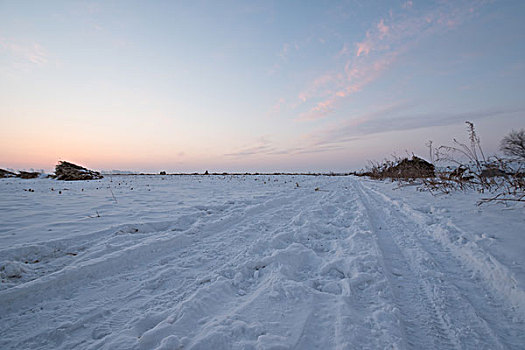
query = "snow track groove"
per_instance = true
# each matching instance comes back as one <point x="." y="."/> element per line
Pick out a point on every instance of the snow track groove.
<point x="443" y="306"/>
<point x="424" y="323"/>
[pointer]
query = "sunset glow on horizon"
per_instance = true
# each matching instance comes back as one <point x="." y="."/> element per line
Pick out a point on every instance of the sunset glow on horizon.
<point x="253" y="86"/>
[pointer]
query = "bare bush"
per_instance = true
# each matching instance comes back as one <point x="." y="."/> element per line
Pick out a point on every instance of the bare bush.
<point x="509" y="187"/>
<point x="502" y="178"/>
<point x="513" y="145"/>
<point x="472" y="153"/>
<point x="465" y="168"/>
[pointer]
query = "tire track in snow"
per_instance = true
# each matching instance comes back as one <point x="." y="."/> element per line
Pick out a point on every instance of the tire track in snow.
<point x="323" y="278"/>
<point x="242" y="290"/>
<point x="442" y="307"/>
<point x="209" y="232"/>
<point x="485" y="298"/>
<point x="423" y="323"/>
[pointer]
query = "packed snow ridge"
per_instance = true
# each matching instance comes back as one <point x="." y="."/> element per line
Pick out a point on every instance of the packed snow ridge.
<point x="256" y="262"/>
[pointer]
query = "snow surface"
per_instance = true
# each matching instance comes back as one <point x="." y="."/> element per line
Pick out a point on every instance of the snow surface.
<point x="256" y="262"/>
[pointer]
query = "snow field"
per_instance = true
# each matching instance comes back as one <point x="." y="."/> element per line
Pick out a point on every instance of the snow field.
<point x="248" y="263"/>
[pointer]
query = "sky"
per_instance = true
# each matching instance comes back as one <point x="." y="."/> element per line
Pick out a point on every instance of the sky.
<point x="187" y="86"/>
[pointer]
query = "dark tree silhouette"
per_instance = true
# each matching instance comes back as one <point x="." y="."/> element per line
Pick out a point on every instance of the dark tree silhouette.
<point x="514" y="144"/>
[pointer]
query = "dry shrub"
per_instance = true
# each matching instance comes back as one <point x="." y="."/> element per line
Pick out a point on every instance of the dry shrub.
<point x="468" y="170"/>
<point x="513" y="145"/>
<point x="501" y="177"/>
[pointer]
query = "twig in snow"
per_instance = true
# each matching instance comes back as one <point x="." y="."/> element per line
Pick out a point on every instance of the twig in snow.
<point x="95" y="216"/>
<point x="113" y="195"/>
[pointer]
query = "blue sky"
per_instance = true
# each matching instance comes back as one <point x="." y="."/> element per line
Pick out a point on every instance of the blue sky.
<point x="253" y="86"/>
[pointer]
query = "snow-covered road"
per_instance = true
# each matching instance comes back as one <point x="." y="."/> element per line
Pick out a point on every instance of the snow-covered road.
<point x="245" y="262"/>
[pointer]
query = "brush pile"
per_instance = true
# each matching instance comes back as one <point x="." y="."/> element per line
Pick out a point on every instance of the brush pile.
<point x="401" y="169"/>
<point x="28" y="174"/>
<point x="6" y="173"/>
<point x="72" y="172"/>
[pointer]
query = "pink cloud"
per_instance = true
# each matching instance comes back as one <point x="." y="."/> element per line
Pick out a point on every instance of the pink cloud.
<point x="316" y="86"/>
<point x="383" y="29"/>
<point x="363" y="48"/>
<point x="320" y="110"/>
<point x="357" y="74"/>
<point x="278" y="106"/>
<point x="380" y="48"/>
<point x="283" y="56"/>
<point x="344" y="51"/>
<point x="372" y="39"/>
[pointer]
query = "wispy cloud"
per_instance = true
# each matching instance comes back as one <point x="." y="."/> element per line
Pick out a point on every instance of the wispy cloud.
<point x="383" y="29"/>
<point x="389" y="118"/>
<point x="355" y="77"/>
<point x="363" y="48"/>
<point x="319" y="85"/>
<point x="381" y="47"/>
<point x="397" y="117"/>
<point x="284" y="51"/>
<point x="407" y="4"/>
<point x="321" y="109"/>
<point x="22" y="53"/>
<point x="283" y="56"/>
<point x="278" y="106"/>
<point x="262" y="146"/>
